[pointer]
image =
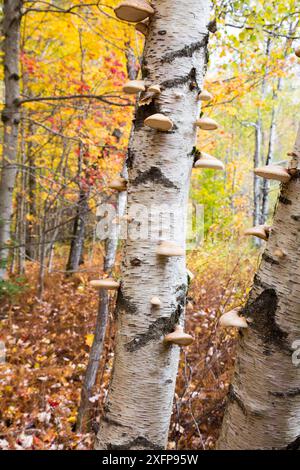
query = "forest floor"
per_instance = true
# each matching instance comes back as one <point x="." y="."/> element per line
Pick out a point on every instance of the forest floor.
<point x="47" y="347"/>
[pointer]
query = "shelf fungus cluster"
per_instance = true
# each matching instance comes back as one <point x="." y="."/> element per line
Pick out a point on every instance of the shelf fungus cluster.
<point x="107" y="283"/>
<point x="134" y="11"/>
<point x="273" y="172"/>
<point x="233" y="319"/>
<point x="208" y="161"/>
<point x="178" y="337"/>
<point x="259" y="231"/>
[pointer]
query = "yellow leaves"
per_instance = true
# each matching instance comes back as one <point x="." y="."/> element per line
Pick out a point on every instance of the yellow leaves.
<point x="89" y="338"/>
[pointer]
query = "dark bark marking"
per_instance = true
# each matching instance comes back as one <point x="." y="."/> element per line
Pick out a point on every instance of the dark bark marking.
<point x="234" y="398"/>
<point x="269" y="259"/>
<point x="212" y="26"/>
<point x="284" y="200"/>
<point x="172" y="83"/>
<point x="290" y="393"/>
<point x="130" y="159"/>
<point x="139" y="441"/>
<point x="135" y="262"/>
<point x="295" y="217"/>
<point x="162" y="32"/>
<point x="262" y="311"/>
<point x="160" y="327"/>
<point x="155" y="175"/>
<point x="295" y="445"/>
<point x="187" y="51"/>
<point x="125" y="303"/>
<point x="143" y="112"/>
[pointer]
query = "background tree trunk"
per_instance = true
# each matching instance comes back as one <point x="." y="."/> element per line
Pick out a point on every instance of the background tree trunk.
<point x="139" y="403"/>
<point x="10" y="119"/>
<point x="264" y="399"/>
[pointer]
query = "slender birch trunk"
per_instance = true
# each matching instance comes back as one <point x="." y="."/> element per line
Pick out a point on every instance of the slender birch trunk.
<point x="10" y="118"/>
<point x="111" y="246"/>
<point x="256" y="179"/>
<point x="264" y="399"/>
<point x="140" y="398"/>
<point x="266" y="184"/>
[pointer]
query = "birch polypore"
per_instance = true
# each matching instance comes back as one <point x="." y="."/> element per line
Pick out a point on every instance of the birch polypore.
<point x="207" y="124"/>
<point x="134" y="10"/>
<point x="264" y="401"/>
<point x="142" y="27"/>
<point x="167" y="249"/>
<point x="159" y="122"/>
<point x="119" y="184"/>
<point x="233" y="319"/>
<point x="155" y="301"/>
<point x="139" y="402"/>
<point x="297" y="51"/>
<point x="107" y="283"/>
<point x="209" y="162"/>
<point x="179" y="337"/>
<point x="273" y="172"/>
<point x="133" y="87"/>
<point x="205" y="96"/>
<point x="260" y="231"/>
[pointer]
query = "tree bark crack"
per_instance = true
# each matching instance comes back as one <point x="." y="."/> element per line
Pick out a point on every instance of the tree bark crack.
<point x="187" y="51"/>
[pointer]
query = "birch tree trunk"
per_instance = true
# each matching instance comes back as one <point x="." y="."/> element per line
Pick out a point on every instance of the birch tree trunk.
<point x="256" y="179"/>
<point x="263" y="410"/>
<point x="10" y="118"/>
<point x="139" y="403"/>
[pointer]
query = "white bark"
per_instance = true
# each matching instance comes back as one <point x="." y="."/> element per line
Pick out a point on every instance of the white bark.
<point x="263" y="409"/>
<point x="10" y="119"/>
<point x="139" y="403"/>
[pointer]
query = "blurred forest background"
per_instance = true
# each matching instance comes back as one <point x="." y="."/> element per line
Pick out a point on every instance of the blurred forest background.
<point x="74" y="129"/>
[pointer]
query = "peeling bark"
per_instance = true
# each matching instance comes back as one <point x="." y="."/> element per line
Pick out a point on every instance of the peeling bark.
<point x="263" y="409"/>
<point x="140" y="398"/>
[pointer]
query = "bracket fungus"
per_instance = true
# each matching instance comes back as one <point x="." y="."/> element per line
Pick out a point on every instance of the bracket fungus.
<point x="147" y="97"/>
<point x="119" y="184"/>
<point x="297" y="51"/>
<point x="159" y="122"/>
<point x="179" y="337"/>
<point x="134" y="86"/>
<point x="232" y="318"/>
<point x="207" y="124"/>
<point x="279" y="253"/>
<point x="142" y="26"/>
<point x="273" y="172"/>
<point x="205" y="96"/>
<point x="155" y="301"/>
<point x="208" y="161"/>
<point x="107" y="283"/>
<point x="166" y="248"/>
<point x="134" y="11"/>
<point x="260" y="231"/>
